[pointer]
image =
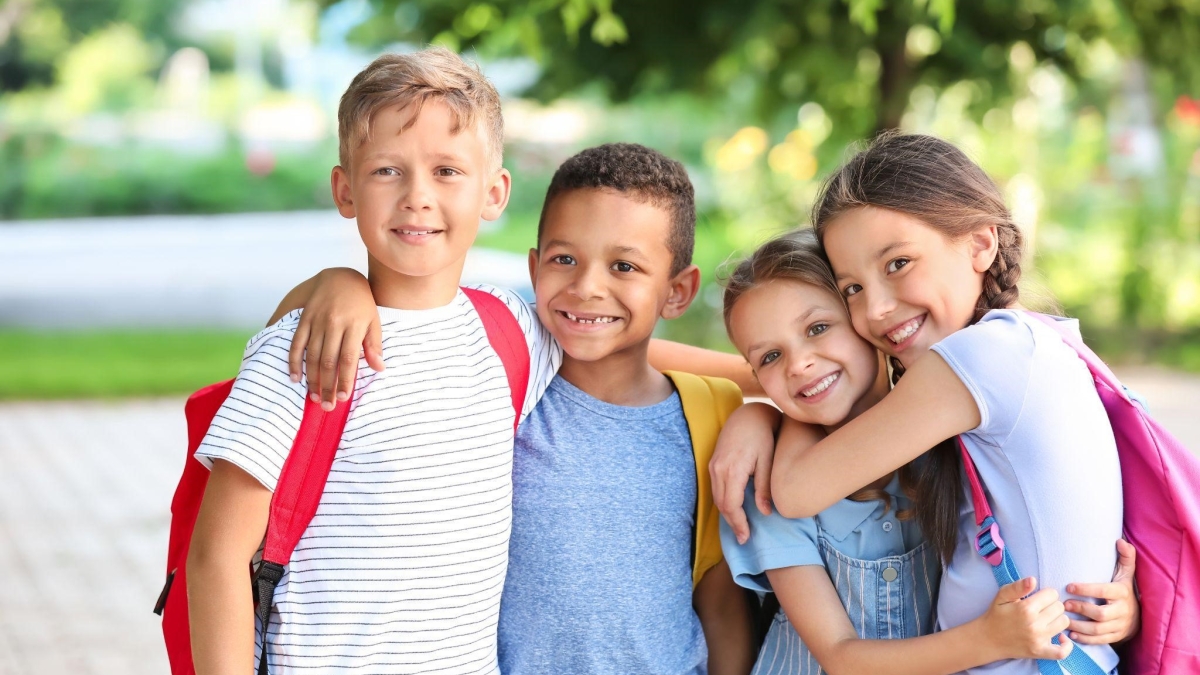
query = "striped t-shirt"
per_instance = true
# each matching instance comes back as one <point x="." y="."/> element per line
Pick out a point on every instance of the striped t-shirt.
<point x="402" y="567"/>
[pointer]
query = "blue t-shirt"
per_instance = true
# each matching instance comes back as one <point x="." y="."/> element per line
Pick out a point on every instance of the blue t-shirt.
<point x="1045" y="452"/>
<point x="600" y="557"/>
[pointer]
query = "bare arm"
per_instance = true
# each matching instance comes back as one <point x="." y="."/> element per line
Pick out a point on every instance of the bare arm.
<point x="929" y="405"/>
<point x="1011" y="628"/>
<point x="229" y="529"/>
<point x="667" y="355"/>
<point x="727" y="620"/>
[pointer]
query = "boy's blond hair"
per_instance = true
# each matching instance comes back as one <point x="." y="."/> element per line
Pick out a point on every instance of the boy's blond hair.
<point x="404" y="80"/>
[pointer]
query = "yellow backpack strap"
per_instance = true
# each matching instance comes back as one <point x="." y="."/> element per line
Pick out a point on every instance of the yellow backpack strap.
<point x="707" y="403"/>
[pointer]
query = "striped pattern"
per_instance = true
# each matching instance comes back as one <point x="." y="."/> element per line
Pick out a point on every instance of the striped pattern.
<point x="879" y="609"/>
<point x="401" y="569"/>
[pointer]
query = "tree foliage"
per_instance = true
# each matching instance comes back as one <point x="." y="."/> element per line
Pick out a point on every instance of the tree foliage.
<point x="35" y="33"/>
<point x="859" y="58"/>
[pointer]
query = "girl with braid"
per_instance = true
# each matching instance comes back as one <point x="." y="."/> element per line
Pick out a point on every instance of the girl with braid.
<point x="927" y="258"/>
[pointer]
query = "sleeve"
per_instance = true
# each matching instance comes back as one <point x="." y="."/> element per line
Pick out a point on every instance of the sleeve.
<point x="255" y="427"/>
<point x="994" y="359"/>
<point x="545" y="355"/>
<point x="775" y="542"/>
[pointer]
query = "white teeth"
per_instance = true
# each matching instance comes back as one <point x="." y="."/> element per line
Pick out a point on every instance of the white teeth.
<point x="419" y="234"/>
<point x="599" y="319"/>
<point x="821" y="386"/>
<point x="902" y="333"/>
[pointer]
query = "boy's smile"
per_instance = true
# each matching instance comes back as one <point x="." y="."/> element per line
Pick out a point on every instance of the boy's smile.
<point x="418" y="194"/>
<point x="602" y="274"/>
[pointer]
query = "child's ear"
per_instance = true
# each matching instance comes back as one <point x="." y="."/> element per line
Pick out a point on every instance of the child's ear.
<point x="339" y="181"/>
<point x="684" y="287"/>
<point x="533" y="267"/>
<point x="983" y="245"/>
<point x="497" y="195"/>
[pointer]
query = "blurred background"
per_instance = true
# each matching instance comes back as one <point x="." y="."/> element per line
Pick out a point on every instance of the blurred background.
<point x="142" y="145"/>
<point x="164" y="170"/>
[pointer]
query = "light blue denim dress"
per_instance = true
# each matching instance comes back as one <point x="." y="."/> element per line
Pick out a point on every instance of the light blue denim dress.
<point x="885" y="573"/>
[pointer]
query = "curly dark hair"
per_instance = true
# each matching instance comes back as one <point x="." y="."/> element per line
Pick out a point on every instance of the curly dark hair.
<point x="641" y="173"/>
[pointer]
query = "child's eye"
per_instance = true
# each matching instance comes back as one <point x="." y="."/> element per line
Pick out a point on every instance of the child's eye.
<point x="895" y="265"/>
<point x="851" y="290"/>
<point x="623" y="267"/>
<point x="817" y="328"/>
<point x="386" y="171"/>
<point x="446" y="172"/>
<point x="768" y="358"/>
<point x="563" y="260"/>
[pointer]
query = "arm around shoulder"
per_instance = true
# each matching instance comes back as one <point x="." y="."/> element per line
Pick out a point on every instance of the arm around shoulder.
<point x="929" y="405"/>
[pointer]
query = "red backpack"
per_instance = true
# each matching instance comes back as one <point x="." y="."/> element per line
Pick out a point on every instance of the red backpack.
<point x="301" y="482"/>
<point x="1161" y="484"/>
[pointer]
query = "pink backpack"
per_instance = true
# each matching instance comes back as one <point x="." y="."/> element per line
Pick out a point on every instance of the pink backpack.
<point x="1161" y="482"/>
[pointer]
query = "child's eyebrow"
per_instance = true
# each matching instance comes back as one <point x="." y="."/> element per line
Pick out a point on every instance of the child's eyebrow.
<point x="890" y="247"/>
<point x="629" y="250"/>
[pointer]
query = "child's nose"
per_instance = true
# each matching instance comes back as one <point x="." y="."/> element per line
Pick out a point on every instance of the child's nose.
<point x="588" y="284"/>
<point x="418" y="196"/>
<point x="879" y="303"/>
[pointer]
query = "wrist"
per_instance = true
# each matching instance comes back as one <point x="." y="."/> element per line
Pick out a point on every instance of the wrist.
<point x="991" y="649"/>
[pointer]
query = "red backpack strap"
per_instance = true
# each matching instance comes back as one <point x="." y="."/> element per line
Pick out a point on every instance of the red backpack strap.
<point x="294" y="502"/>
<point x="507" y="338"/>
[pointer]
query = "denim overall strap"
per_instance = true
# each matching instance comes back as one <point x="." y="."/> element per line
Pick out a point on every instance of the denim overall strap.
<point x="990" y="546"/>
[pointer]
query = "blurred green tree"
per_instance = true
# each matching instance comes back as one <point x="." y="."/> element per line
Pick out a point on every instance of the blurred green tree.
<point x="35" y="33"/>
<point x="859" y="58"/>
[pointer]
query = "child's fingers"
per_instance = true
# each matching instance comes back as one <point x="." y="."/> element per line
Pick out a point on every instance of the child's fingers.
<point x="373" y="346"/>
<point x="1126" y="560"/>
<point x="762" y="485"/>
<point x="1102" y="632"/>
<point x="1038" y="602"/>
<point x="347" y="366"/>
<point x="330" y="353"/>
<point x="1108" y="590"/>
<point x="1098" y="613"/>
<point x="1055" y="652"/>
<point x="1015" y="591"/>
<point x="296" y="351"/>
<point x="312" y="365"/>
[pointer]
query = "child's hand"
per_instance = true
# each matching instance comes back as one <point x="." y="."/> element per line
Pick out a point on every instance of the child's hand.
<point x="339" y="322"/>
<point x="745" y="448"/>
<point x="1119" y="618"/>
<point x="1020" y="627"/>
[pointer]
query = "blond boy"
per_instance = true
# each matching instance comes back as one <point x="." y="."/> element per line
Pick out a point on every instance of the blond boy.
<point x="402" y="568"/>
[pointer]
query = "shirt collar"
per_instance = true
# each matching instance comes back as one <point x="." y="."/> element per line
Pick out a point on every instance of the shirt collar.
<point x="847" y="516"/>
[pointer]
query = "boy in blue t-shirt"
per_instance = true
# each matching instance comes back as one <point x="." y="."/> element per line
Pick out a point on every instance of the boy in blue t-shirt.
<point x="605" y="485"/>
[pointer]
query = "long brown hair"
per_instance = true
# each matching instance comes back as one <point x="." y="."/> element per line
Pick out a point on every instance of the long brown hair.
<point x="936" y="183"/>
<point x="797" y="256"/>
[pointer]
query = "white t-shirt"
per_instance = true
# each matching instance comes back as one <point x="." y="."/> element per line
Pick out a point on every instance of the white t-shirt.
<point x="1045" y="452"/>
<point x="402" y="567"/>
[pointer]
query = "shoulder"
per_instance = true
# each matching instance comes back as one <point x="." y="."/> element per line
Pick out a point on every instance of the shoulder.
<point x="269" y="347"/>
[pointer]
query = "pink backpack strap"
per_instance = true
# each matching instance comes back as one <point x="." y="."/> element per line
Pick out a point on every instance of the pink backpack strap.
<point x="507" y="338"/>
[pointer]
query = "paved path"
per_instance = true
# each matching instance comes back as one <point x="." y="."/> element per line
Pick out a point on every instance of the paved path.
<point x="84" y="493"/>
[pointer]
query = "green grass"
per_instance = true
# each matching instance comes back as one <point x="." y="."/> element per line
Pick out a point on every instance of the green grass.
<point x="108" y="364"/>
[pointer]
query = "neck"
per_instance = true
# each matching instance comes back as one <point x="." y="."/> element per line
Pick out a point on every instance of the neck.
<point x="623" y="378"/>
<point x="402" y="291"/>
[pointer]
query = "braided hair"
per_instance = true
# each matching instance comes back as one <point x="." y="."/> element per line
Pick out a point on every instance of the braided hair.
<point x="936" y="183"/>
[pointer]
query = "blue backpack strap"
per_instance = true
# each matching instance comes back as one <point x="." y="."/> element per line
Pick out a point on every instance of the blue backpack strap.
<point x="990" y="546"/>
